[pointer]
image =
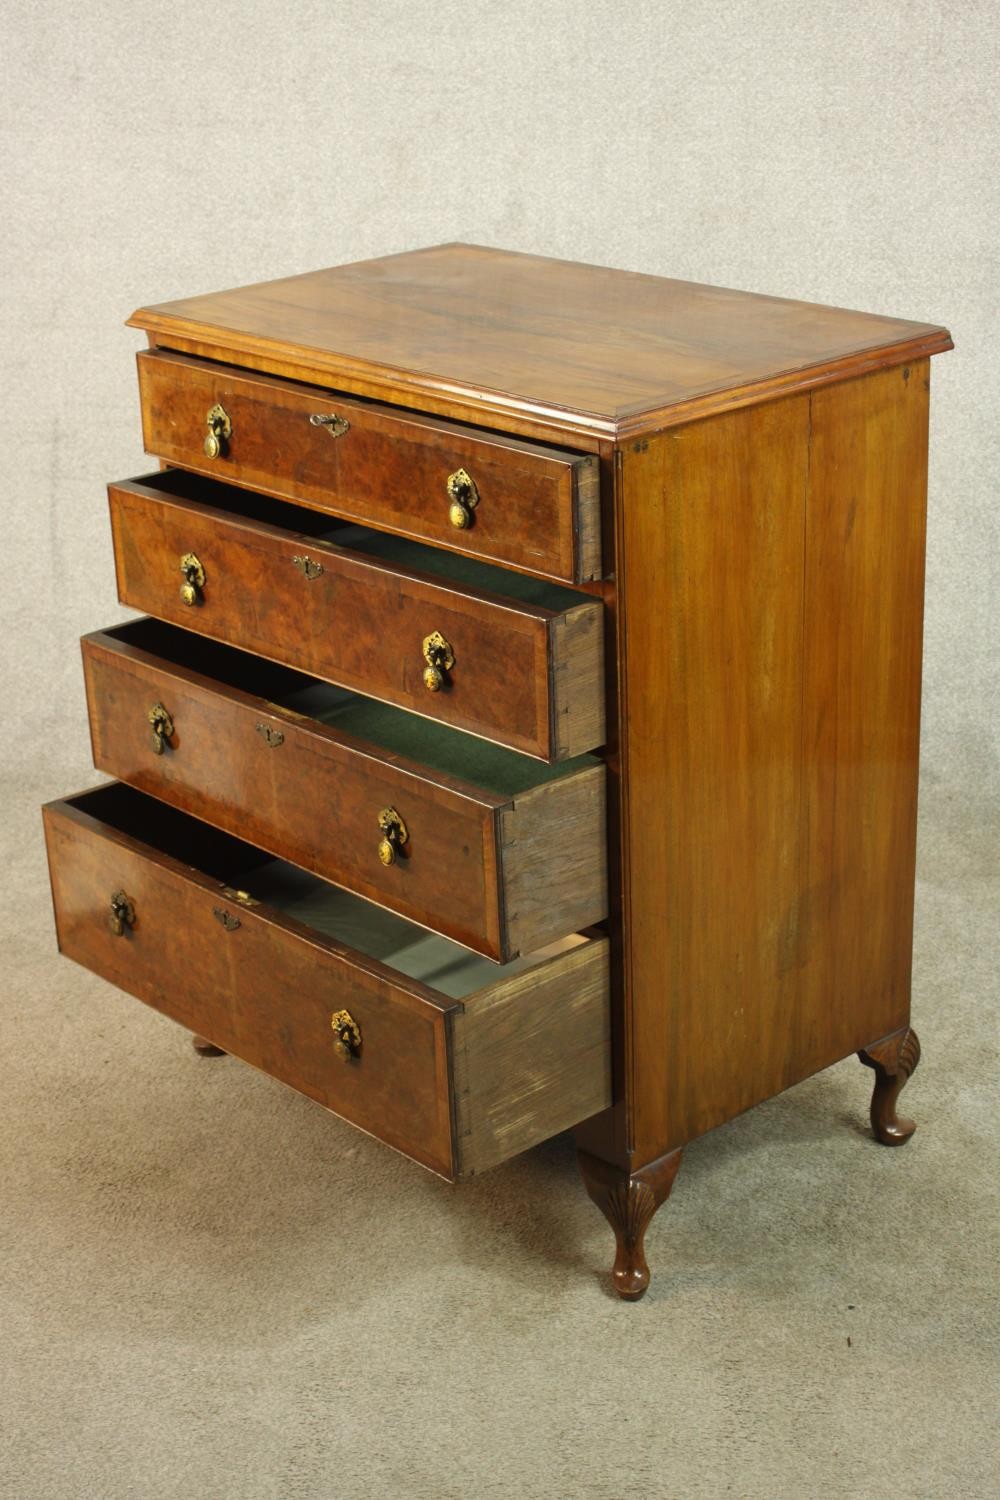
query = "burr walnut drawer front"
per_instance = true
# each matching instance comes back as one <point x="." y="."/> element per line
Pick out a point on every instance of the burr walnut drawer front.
<point x="495" y="850"/>
<point x="511" y="658"/>
<point x="454" y="1061"/>
<point x="474" y="492"/>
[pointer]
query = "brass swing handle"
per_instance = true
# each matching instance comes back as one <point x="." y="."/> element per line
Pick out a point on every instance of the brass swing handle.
<point x="440" y="658"/>
<point x="121" y="913"/>
<point x="220" y="430"/>
<point x="161" y="727"/>
<point x="394" y="835"/>
<point x="347" y="1036"/>
<point x="194" y="578"/>
<point x="463" y="498"/>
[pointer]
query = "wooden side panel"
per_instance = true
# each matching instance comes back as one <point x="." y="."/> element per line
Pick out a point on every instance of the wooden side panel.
<point x="531" y="1056"/>
<point x="538" y="507"/>
<point x="861" y="698"/>
<point x="359" y="624"/>
<point x="261" y="991"/>
<point x="770" y="659"/>
<point x="711" y="544"/>
<point x="554" y="860"/>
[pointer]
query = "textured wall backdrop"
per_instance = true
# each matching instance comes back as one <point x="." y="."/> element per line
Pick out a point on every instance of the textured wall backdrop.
<point x="846" y="155"/>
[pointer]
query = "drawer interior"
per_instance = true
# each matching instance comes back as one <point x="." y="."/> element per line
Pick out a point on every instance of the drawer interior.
<point x="381" y="546"/>
<point x="443" y="966"/>
<point x="506" y="773"/>
<point x="227" y="859"/>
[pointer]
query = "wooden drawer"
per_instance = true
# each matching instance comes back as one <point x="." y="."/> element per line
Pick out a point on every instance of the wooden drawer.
<point x="355" y="607"/>
<point x="538" y="507"/>
<point x="460" y="1065"/>
<point x="501" y="853"/>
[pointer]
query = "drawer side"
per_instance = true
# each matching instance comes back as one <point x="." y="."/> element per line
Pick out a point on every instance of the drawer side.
<point x="531" y="1057"/>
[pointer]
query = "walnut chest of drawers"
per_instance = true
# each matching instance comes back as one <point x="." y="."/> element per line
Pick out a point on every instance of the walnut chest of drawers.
<point x="523" y="725"/>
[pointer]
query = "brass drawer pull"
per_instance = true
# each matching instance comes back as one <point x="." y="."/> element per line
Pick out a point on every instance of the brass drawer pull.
<point x="335" y="426"/>
<point x="220" y="430"/>
<point x="440" y="658"/>
<point x="270" y="735"/>
<point x="464" y="497"/>
<point x="194" y="579"/>
<point x="348" y="1036"/>
<point x="162" y="727"/>
<point x="121" y="913"/>
<point x="394" y="835"/>
<point x="308" y="567"/>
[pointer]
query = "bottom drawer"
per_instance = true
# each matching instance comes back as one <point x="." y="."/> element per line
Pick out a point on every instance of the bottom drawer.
<point x="441" y="1054"/>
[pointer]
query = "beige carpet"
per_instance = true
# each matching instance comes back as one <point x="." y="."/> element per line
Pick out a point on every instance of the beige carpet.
<point x="211" y="1288"/>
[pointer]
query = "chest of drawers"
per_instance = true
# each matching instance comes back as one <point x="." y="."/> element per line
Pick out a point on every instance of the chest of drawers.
<point x="523" y="728"/>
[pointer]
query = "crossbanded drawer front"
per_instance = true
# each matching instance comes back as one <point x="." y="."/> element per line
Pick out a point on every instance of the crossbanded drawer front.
<point x="492" y="849"/>
<point x="517" y="503"/>
<point x="525" y="669"/>
<point x="458" y="1069"/>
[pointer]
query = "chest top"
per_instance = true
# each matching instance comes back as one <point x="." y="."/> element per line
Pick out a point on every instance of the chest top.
<point x="501" y="338"/>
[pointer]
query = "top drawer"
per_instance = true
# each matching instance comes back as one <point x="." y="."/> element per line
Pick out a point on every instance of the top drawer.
<point x="533" y="508"/>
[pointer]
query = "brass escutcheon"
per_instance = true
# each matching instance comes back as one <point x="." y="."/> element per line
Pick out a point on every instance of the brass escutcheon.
<point x="121" y="913"/>
<point x="162" y="727"/>
<point x="220" y="430"/>
<point x="194" y="578"/>
<point x="335" y="426"/>
<point x="348" y="1035"/>
<point x="394" y="835"/>
<point x="440" y="658"/>
<point x="464" y="497"/>
<point x="270" y="735"/>
<point x="308" y="567"/>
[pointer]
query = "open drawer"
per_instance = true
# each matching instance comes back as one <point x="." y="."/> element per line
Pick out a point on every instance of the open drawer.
<point x="434" y="1050"/>
<point x="510" y="658"/>
<point x="522" y="504"/>
<point x="489" y="847"/>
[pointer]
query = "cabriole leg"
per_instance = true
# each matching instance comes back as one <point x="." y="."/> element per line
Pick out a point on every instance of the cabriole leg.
<point x="628" y="1201"/>
<point x="893" y="1060"/>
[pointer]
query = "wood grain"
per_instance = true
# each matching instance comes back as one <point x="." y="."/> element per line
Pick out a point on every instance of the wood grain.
<point x="862" y="646"/>
<point x="576" y="653"/>
<point x="553" y="859"/>
<point x="362" y="622"/>
<point x="538" y="507"/>
<point x="531" y="1057"/>
<point x="314" y="799"/>
<point x="456" y="1085"/>
<point x="534" y="345"/>
<point x="770" y="702"/>
<point x="263" y="991"/>
<point x="711" y="733"/>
